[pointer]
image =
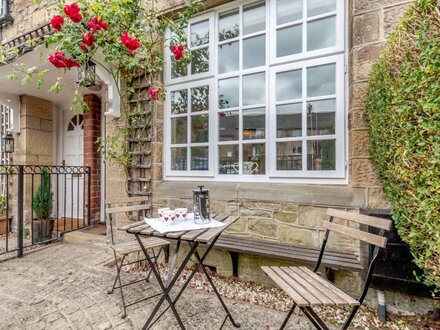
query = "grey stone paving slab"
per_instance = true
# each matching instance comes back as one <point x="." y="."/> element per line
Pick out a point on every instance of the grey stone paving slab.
<point x="64" y="287"/>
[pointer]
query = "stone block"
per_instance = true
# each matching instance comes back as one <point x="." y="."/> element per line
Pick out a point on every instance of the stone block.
<point x="233" y="209"/>
<point x="35" y="107"/>
<point x="392" y="17"/>
<point x="263" y="227"/>
<point x="339" y="242"/>
<point x="311" y="216"/>
<point x="363" y="59"/>
<point x="263" y="205"/>
<point x="358" y="92"/>
<point x="288" y="217"/>
<point x="359" y="143"/>
<point x="298" y="236"/>
<point x="247" y="212"/>
<point x="376" y="199"/>
<point x="46" y="125"/>
<point x="367" y="5"/>
<point x="239" y="226"/>
<point x="366" y="28"/>
<point x="363" y="173"/>
<point x="289" y="207"/>
<point x="357" y="119"/>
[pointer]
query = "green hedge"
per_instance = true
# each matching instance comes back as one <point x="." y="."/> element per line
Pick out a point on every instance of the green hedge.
<point x="403" y="112"/>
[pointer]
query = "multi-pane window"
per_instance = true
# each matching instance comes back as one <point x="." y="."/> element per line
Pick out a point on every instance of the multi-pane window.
<point x="263" y="95"/>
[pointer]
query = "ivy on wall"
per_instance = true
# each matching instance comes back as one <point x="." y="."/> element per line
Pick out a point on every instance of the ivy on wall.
<point x="403" y="112"/>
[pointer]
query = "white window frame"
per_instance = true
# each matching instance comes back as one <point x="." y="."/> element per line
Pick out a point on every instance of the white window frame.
<point x="336" y="54"/>
<point x="211" y="131"/>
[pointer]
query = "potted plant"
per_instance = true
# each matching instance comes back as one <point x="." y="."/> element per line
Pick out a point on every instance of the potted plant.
<point x="42" y="203"/>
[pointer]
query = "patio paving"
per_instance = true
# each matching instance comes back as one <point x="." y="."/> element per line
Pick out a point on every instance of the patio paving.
<point x="64" y="287"/>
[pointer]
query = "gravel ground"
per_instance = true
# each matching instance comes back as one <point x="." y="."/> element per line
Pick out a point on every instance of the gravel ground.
<point x="275" y="298"/>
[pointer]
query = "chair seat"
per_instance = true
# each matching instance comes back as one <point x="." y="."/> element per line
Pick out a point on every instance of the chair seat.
<point x="307" y="288"/>
<point x="133" y="246"/>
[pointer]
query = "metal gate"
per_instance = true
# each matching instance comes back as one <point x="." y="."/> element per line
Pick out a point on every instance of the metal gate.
<point x="34" y="200"/>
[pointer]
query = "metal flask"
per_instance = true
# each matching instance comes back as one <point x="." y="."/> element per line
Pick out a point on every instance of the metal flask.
<point x="202" y="212"/>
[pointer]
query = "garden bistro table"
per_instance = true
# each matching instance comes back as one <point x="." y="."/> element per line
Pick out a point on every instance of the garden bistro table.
<point x="193" y="238"/>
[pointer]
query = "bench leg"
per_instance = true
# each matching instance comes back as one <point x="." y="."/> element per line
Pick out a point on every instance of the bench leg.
<point x="234" y="259"/>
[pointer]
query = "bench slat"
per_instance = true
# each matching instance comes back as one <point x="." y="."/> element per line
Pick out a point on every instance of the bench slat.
<point x="348" y="299"/>
<point x="299" y="300"/>
<point x="358" y="234"/>
<point x="361" y="218"/>
<point x="113" y="210"/>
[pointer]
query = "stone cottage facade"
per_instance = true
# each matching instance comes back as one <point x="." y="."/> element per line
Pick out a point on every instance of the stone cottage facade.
<point x="278" y="179"/>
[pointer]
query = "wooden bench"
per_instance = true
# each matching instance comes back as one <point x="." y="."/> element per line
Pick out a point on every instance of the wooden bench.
<point x="332" y="259"/>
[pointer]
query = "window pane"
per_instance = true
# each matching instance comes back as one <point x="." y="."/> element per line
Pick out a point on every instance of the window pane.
<point x="254" y="158"/>
<point x="321" y="80"/>
<point x="178" y="159"/>
<point x="178" y="68"/>
<point x="199" y="60"/>
<point x="317" y="7"/>
<point x="321" y="155"/>
<point x="228" y="92"/>
<point x="289" y="123"/>
<point x="228" y="125"/>
<point x="254" y="52"/>
<point x="179" y="101"/>
<point x="178" y="130"/>
<point x="228" y="25"/>
<point x="289" y="40"/>
<point x="321" y="117"/>
<point x="228" y="57"/>
<point x="199" y="158"/>
<point x="289" y="11"/>
<point x="321" y="33"/>
<point x="200" y="99"/>
<point x="289" y="156"/>
<point x="199" y="33"/>
<point x="228" y="159"/>
<point x="254" y="89"/>
<point x="254" y="123"/>
<point x="199" y="128"/>
<point x="289" y="85"/>
<point x="254" y="18"/>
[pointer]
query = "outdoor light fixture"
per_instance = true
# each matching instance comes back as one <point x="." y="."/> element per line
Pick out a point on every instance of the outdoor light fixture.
<point x="87" y="76"/>
<point x="7" y="144"/>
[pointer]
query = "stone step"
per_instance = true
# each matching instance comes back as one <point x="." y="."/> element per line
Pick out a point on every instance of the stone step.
<point x="83" y="238"/>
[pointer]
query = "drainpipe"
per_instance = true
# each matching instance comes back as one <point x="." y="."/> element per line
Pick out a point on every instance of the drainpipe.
<point x="5" y="18"/>
<point x="381" y="305"/>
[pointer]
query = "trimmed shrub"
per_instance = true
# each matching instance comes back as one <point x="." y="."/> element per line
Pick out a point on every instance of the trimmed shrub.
<point x="403" y="112"/>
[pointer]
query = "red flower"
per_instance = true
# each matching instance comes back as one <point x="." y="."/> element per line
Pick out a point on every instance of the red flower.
<point x="73" y="12"/>
<point x="153" y="93"/>
<point x="57" y="22"/>
<point x="132" y="44"/>
<point x="178" y="51"/>
<point x="58" y="60"/>
<point x="83" y="47"/>
<point x="97" y="24"/>
<point x="88" y="39"/>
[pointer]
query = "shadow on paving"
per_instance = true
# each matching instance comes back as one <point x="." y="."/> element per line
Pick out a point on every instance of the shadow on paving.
<point x="64" y="287"/>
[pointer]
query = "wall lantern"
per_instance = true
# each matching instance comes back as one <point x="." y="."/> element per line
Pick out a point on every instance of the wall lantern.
<point x="7" y="143"/>
<point x="87" y="75"/>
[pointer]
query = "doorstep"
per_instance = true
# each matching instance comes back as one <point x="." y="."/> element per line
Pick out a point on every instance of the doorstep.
<point x="93" y="237"/>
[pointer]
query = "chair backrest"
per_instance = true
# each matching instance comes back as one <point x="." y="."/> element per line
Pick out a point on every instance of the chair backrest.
<point x="125" y="205"/>
<point x="377" y="240"/>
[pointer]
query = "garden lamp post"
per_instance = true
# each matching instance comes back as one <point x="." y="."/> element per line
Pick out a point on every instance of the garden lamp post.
<point x="7" y="143"/>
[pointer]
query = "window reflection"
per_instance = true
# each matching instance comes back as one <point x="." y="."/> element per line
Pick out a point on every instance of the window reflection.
<point x="178" y="159"/>
<point x="254" y="89"/>
<point x="254" y="18"/>
<point x="200" y="99"/>
<point x="199" y="33"/>
<point x="321" y="33"/>
<point x="254" y="52"/>
<point x="289" y="11"/>
<point x="228" y="159"/>
<point x="321" y="155"/>
<point x="199" y="128"/>
<point x="289" y="156"/>
<point x="178" y="130"/>
<point x="254" y="123"/>
<point x="199" y="60"/>
<point x="321" y="80"/>
<point x="228" y="57"/>
<point x="228" y="125"/>
<point x="318" y="7"/>
<point x="199" y="158"/>
<point x="228" y="93"/>
<point x="321" y="117"/>
<point x="289" y="40"/>
<point x="228" y="25"/>
<point x="254" y="159"/>
<point x="289" y="85"/>
<point x="289" y="120"/>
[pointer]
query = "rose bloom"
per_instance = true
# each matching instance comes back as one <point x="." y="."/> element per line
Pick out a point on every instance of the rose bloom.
<point x="177" y="51"/>
<point x="153" y="93"/>
<point x="97" y="24"/>
<point x="88" y="39"/>
<point x="58" y="60"/>
<point x="57" y="22"/>
<point x="73" y="12"/>
<point x="132" y="44"/>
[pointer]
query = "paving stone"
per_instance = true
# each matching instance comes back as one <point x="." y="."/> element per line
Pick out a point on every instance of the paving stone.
<point x="64" y="287"/>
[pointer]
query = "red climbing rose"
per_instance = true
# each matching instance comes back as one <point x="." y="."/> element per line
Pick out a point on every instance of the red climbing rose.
<point x="88" y="39"/>
<point x="97" y="24"/>
<point x="57" y="22"/>
<point x="73" y="12"/>
<point x="58" y="60"/>
<point x="153" y="93"/>
<point x="178" y="51"/>
<point x="132" y="44"/>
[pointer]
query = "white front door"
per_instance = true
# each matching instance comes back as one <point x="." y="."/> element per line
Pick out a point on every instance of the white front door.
<point x="74" y="156"/>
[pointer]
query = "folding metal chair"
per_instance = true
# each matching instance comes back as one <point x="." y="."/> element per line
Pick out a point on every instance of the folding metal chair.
<point x="307" y="289"/>
<point x="122" y="251"/>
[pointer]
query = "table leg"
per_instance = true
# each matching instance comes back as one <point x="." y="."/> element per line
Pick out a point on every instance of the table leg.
<point x="165" y="290"/>
<point x="219" y="297"/>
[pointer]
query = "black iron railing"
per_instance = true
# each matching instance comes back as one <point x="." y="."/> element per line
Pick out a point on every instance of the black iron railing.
<point x="40" y="203"/>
